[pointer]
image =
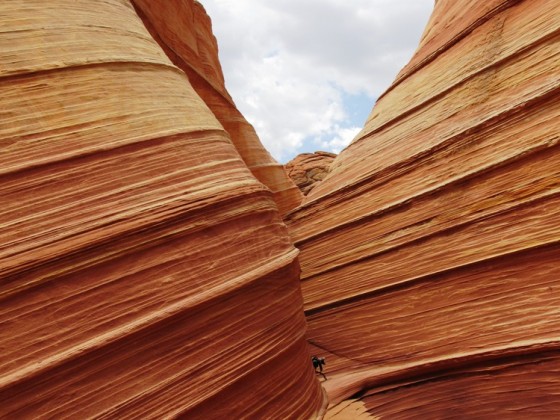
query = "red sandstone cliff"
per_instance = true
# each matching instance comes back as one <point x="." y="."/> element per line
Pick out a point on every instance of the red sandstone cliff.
<point x="430" y="253"/>
<point x="144" y="271"/>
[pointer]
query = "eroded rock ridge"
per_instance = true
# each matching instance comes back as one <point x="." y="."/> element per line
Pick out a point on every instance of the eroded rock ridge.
<point x="307" y="169"/>
<point x="430" y="252"/>
<point x="145" y="271"/>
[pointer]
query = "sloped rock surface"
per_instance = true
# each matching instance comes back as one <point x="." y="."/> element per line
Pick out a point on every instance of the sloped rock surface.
<point x="433" y="245"/>
<point x="306" y="169"/>
<point x="145" y="272"/>
<point x="184" y="31"/>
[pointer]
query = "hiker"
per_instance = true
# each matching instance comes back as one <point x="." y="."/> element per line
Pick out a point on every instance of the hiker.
<point x="318" y="362"/>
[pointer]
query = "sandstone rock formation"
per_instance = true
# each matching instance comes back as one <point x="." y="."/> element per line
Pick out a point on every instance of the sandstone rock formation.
<point x="306" y="169"/>
<point x="184" y="31"/>
<point x="430" y="253"/>
<point x="144" y="271"/>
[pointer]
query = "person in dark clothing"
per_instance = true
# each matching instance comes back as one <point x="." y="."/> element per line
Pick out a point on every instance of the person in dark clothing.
<point x="318" y="363"/>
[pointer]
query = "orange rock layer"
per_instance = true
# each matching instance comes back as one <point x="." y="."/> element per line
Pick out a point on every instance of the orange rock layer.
<point x="184" y="31"/>
<point x="433" y="245"/>
<point x="145" y="272"/>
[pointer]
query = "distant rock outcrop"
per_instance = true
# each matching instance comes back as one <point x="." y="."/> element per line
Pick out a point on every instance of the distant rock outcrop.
<point x="306" y="169"/>
<point x="430" y="253"/>
<point x="144" y="271"/>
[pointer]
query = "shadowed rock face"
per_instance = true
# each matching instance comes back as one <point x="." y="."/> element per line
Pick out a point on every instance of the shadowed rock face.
<point x="145" y="272"/>
<point x="307" y="169"/>
<point x="430" y="253"/>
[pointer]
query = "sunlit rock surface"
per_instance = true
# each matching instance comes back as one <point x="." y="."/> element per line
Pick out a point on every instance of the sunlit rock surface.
<point x="306" y="169"/>
<point x="431" y="251"/>
<point x="184" y="31"/>
<point x="144" y="271"/>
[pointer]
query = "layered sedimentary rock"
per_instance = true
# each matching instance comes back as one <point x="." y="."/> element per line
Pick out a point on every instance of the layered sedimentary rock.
<point x="144" y="271"/>
<point x="184" y="31"/>
<point x="430" y="253"/>
<point x="306" y="169"/>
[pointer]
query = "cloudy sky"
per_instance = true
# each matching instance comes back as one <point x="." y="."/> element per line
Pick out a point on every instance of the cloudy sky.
<point x="306" y="73"/>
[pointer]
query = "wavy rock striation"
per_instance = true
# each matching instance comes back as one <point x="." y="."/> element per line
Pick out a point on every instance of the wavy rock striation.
<point x="144" y="271"/>
<point x="307" y="169"/>
<point x="430" y="253"/>
<point x="184" y="31"/>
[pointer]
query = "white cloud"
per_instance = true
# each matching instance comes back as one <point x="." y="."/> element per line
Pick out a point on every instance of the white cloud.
<point x="340" y="138"/>
<point x="290" y="64"/>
